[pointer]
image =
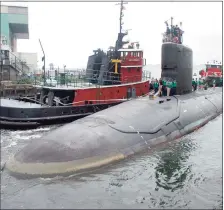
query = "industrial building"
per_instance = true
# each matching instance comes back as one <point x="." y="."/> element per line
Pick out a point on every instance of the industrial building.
<point x="14" y="26"/>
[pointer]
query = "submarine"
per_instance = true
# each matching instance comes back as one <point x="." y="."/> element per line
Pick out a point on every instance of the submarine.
<point x="120" y="131"/>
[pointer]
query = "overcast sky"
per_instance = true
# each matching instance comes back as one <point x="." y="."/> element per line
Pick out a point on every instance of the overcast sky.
<point x="70" y="31"/>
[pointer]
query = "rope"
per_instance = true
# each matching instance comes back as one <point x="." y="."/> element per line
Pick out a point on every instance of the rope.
<point x="33" y="100"/>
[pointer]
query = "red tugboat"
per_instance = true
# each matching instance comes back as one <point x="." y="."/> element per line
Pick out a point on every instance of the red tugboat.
<point x="110" y="78"/>
<point x="114" y="76"/>
<point x="213" y="71"/>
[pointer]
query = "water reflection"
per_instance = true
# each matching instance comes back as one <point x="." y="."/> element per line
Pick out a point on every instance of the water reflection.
<point x="172" y="171"/>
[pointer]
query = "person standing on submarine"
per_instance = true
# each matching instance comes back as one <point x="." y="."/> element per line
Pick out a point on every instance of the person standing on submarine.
<point x="193" y="84"/>
<point x="164" y="90"/>
<point x="196" y="84"/>
<point x="168" y="34"/>
<point x="160" y="87"/>
<point x="169" y="85"/>
<point x="200" y="84"/>
<point x="214" y="83"/>
<point x="174" y="87"/>
<point x="156" y="86"/>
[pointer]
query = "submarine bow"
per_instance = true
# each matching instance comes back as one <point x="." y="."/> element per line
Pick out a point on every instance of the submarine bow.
<point x="115" y="133"/>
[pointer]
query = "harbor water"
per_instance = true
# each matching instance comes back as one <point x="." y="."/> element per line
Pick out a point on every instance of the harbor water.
<point x="183" y="174"/>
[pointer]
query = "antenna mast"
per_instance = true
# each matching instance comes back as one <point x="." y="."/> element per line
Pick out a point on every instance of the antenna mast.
<point x="121" y="14"/>
<point x="119" y="43"/>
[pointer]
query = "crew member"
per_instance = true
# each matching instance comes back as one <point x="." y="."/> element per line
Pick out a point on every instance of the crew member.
<point x="172" y="32"/>
<point x="174" y="87"/>
<point x="164" y="87"/>
<point x="167" y="30"/>
<point x="193" y="84"/>
<point x="151" y="85"/>
<point x="214" y="84"/>
<point x="181" y="36"/>
<point x="160" y="87"/>
<point x="206" y="86"/>
<point x="168" y="87"/>
<point x="203" y="84"/>
<point x="176" y="28"/>
<point x="200" y="84"/>
<point x="156" y="86"/>
<point x="196" y="84"/>
<point x="168" y="34"/>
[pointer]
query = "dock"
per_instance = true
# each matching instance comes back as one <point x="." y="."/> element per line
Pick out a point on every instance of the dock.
<point x="8" y="89"/>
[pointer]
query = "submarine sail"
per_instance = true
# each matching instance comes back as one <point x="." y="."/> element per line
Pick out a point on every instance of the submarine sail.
<point x="177" y="60"/>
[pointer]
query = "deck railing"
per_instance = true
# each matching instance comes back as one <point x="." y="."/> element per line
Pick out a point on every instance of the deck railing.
<point x="17" y="63"/>
<point x="8" y="58"/>
<point x="77" y="80"/>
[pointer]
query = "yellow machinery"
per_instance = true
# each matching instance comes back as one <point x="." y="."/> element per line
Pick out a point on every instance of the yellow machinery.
<point x="116" y="61"/>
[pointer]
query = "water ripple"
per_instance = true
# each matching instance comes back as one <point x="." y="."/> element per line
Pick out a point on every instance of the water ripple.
<point x="186" y="173"/>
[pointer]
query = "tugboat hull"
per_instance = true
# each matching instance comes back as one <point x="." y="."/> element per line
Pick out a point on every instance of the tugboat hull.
<point x="115" y="133"/>
<point x="98" y="94"/>
<point x="22" y="115"/>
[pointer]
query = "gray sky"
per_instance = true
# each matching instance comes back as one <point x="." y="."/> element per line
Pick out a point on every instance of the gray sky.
<point x="70" y="31"/>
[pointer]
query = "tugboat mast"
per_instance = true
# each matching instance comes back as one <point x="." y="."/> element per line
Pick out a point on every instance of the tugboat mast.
<point x="121" y="14"/>
<point x="121" y="34"/>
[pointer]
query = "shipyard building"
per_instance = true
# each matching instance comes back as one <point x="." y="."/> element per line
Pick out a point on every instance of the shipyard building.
<point x="14" y="26"/>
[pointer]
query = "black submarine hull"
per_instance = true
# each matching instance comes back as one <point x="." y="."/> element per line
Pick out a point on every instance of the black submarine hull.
<point x="116" y="133"/>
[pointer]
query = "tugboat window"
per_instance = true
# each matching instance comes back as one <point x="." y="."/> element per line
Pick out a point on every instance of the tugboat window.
<point x="125" y="53"/>
<point x="129" y="69"/>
